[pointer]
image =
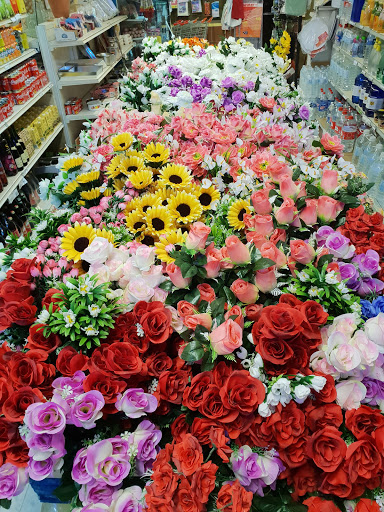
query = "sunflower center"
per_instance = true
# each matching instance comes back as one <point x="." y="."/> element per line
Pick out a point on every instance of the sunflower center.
<point x="184" y="209"/>
<point x="242" y="212"/>
<point x="158" y="224"/>
<point x="145" y="208"/>
<point x="81" y="244"/>
<point x="85" y="265"/>
<point x="138" y="225"/>
<point x="148" y="240"/>
<point x="122" y="145"/>
<point x="132" y="168"/>
<point x="155" y="155"/>
<point x="205" y="199"/>
<point x="165" y="202"/>
<point x="174" y="178"/>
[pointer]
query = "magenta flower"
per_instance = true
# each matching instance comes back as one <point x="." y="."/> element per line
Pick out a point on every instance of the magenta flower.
<point x="102" y="464"/>
<point x="12" y="480"/>
<point x="135" y="403"/>
<point x="79" y="470"/>
<point x="40" y="469"/>
<point x="45" y="418"/>
<point x="43" y="446"/>
<point x="96" y="491"/>
<point x="86" y="409"/>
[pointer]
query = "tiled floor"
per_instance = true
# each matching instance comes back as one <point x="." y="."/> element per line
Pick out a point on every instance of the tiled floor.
<point x="27" y="501"/>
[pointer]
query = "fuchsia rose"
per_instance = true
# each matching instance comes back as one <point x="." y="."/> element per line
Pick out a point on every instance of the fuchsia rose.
<point x="45" y="418"/>
<point x="97" y="492"/>
<point x="40" y="469"/>
<point x="43" y="446"/>
<point x="328" y="208"/>
<point x="86" y="409"/>
<point x="332" y="144"/>
<point x="197" y="236"/>
<point x="176" y="277"/>
<point x="329" y="181"/>
<point x="286" y="212"/>
<point x="260" y="201"/>
<point x="237" y="251"/>
<point x="102" y="464"/>
<point x="245" y="292"/>
<point x="263" y="224"/>
<point x="135" y="403"/>
<point x="80" y="473"/>
<point x="227" y="337"/>
<point x="309" y="214"/>
<point x="302" y="252"/>
<point x="12" y="481"/>
<point x="265" y="279"/>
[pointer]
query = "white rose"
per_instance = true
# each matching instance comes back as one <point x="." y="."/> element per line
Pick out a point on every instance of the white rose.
<point x="301" y="393"/>
<point x="144" y="257"/>
<point x="138" y="290"/>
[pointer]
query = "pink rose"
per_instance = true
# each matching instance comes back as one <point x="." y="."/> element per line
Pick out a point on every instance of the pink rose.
<point x="192" y="321"/>
<point x="310" y="154"/>
<point x="278" y="235"/>
<point x="227" y="337"/>
<point x="245" y="292"/>
<point x="350" y="393"/>
<point x="329" y="181"/>
<point x="328" y="209"/>
<point x="260" y="201"/>
<point x="214" y="258"/>
<point x="264" y="224"/>
<point x="309" y="213"/>
<point x="288" y="187"/>
<point x="332" y="144"/>
<point x="225" y="261"/>
<point x="237" y="251"/>
<point x="256" y="239"/>
<point x="269" y="250"/>
<point x="286" y="212"/>
<point x="197" y="236"/>
<point x="267" y="103"/>
<point x="265" y="279"/>
<point x="302" y="252"/>
<point x="235" y="311"/>
<point x="176" y="277"/>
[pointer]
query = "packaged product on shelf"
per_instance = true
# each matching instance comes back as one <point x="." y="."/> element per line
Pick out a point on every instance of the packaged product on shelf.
<point x="37" y="123"/>
<point x="6" y="10"/>
<point x="73" y="106"/>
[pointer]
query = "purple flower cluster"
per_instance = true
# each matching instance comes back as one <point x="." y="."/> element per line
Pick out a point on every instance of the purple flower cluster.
<point x="179" y="82"/>
<point x="233" y="94"/>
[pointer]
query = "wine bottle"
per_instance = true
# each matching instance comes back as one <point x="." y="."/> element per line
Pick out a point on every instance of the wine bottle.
<point x="15" y="153"/>
<point x="19" y="145"/>
<point x="3" y="176"/>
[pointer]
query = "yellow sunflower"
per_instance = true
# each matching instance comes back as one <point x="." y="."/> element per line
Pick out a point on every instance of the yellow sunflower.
<point x="90" y="195"/>
<point x="88" y="177"/>
<point x="113" y="169"/>
<point x="165" y="194"/>
<point x="82" y="266"/>
<point x="131" y="164"/>
<point x="108" y="192"/>
<point x="132" y="205"/>
<point x="104" y="233"/>
<point x="156" y="154"/>
<point x="147" y="239"/>
<point x="70" y="188"/>
<point x="76" y="240"/>
<point x="168" y="243"/>
<point x="134" y="152"/>
<point x="136" y="221"/>
<point x="122" y="142"/>
<point x="147" y="201"/>
<point x="72" y="164"/>
<point x="175" y="176"/>
<point x="118" y="183"/>
<point x="236" y="213"/>
<point x="207" y="196"/>
<point x="158" y="220"/>
<point x="184" y="208"/>
<point x="141" y="179"/>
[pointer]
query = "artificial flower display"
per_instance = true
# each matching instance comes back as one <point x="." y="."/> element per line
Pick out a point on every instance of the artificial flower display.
<point x="197" y="323"/>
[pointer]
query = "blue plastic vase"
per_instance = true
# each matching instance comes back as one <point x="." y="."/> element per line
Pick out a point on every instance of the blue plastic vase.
<point x="45" y="489"/>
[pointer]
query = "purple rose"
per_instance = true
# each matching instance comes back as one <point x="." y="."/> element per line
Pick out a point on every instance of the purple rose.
<point x="43" y="446"/>
<point x="97" y="491"/>
<point x="249" y="86"/>
<point x="69" y="387"/>
<point x="338" y="245"/>
<point x="304" y="112"/>
<point x="135" y="403"/>
<point x="12" y="481"/>
<point x="227" y="82"/>
<point x="79" y="470"/>
<point x="348" y="271"/>
<point x="86" y="410"/>
<point x="186" y="81"/>
<point x="45" y="418"/>
<point x="174" y="91"/>
<point x="369" y="285"/>
<point x="368" y="262"/>
<point x="375" y="391"/>
<point x="322" y="234"/>
<point x="245" y="466"/>
<point x="175" y="71"/>
<point x="119" y="446"/>
<point x="206" y="82"/>
<point x="40" y="469"/>
<point x="237" y="97"/>
<point x="228" y="106"/>
<point x="102" y="464"/>
<point x="128" y="500"/>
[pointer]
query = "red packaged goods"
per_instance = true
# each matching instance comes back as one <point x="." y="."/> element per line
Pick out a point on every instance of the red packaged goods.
<point x="33" y="67"/>
<point x="4" y="84"/>
<point x="68" y="107"/>
<point x="17" y="80"/>
<point x="22" y="95"/>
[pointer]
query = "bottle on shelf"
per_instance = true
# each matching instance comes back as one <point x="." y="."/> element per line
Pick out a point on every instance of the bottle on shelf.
<point x="356" y="10"/>
<point x="3" y="176"/>
<point x="374" y="58"/>
<point x="377" y="191"/>
<point x="365" y="17"/>
<point x="357" y="88"/>
<point x="349" y="133"/>
<point x="360" y="145"/>
<point x="7" y="159"/>
<point x="375" y="101"/>
<point x="375" y="16"/>
<point x="20" y="146"/>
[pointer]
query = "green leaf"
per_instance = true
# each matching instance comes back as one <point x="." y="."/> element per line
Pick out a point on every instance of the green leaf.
<point x="5" y="503"/>
<point x="167" y="286"/>
<point x="324" y="260"/>
<point x="217" y="307"/>
<point x="190" y="272"/>
<point x="312" y="190"/>
<point x="193" y="352"/>
<point x="193" y="296"/>
<point x="263" y="263"/>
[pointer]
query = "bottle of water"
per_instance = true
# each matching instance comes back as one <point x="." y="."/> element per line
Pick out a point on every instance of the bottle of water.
<point x="360" y="145"/>
<point x="365" y="158"/>
<point x="377" y="191"/>
<point x="349" y="132"/>
<point x="374" y="170"/>
<point x="368" y="48"/>
<point x="357" y="88"/>
<point x="361" y="49"/>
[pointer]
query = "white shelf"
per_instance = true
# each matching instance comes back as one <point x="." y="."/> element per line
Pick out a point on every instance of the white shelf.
<point x="139" y="19"/>
<point x="94" y="79"/>
<point x="13" y="21"/>
<point x="19" y="110"/>
<point x="84" y="114"/>
<point x="360" y="62"/>
<point x="367" y="29"/>
<point x="14" y="62"/>
<point x="106" y="25"/>
<point x="14" y="181"/>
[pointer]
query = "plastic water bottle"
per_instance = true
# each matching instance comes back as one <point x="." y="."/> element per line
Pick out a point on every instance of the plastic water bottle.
<point x="357" y="88"/>
<point x="360" y="145"/>
<point x="374" y="171"/>
<point x="377" y="191"/>
<point x="349" y="134"/>
<point x="361" y="49"/>
<point x="365" y="159"/>
<point x="368" y="48"/>
<point x="355" y="47"/>
<point x="339" y="36"/>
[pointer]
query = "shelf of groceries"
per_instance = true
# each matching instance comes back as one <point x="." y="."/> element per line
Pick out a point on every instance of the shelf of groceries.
<point x="15" y="181"/>
<point x="12" y="21"/>
<point x="14" y="62"/>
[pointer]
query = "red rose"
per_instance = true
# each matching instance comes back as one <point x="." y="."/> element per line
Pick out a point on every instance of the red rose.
<point x="207" y="293"/>
<point x="281" y="321"/>
<point x="337" y="483"/>
<point x="108" y="386"/>
<point x="158" y="504"/>
<point x="185" y="308"/>
<point x="328" y="393"/>
<point x="8" y="434"/>
<point x="164" y="481"/>
<point x="158" y="363"/>
<point x="185" y="498"/>
<point x="295" y="455"/>
<point x="201" y="428"/>
<point x="233" y="497"/>
<point x="13" y="291"/>
<point x="21" y="313"/>
<point x="24" y="370"/>
<point x="6" y="390"/>
<point x="363" y="420"/>
<point x="239" y="425"/>
<point x="221" y="372"/>
<point x="316" y="504"/>
<point x="325" y="415"/>
<point x="21" y="269"/>
<point x="316" y="317"/>
<point x="172" y="385"/>
<point x="18" y="454"/>
<point x="304" y="479"/>
<point x="212" y="406"/>
<point x="259" y="433"/>
<point x="355" y="213"/>
<point x="187" y="455"/>
<point x="288" y="424"/>
<point x="377" y="243"/>
<point x="193" y="394"/>
<point x="37" y="340"/>
<point x="155" y="321"/>
<point x="50" y="299"/>
<point x="70" y="361"/>
<point x="15" y="406"/>
<point x="122" y="359"/>
<point x="290" y="300"/>
<point x="218" y="439"/>
<point x="242" y="392"/>
<point x="367" y="505"/>
<point x="358" y="237"/>
<point x="363" y="461"/>
<point x="179" y="428"/>
<point x="327" y="449"/>
<point x="203" y="481"/>
<point x="253" y="311"/>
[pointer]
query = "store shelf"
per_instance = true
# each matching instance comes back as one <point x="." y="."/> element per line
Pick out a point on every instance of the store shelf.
<point x="139" y="19"/>
<point x="366" y="29"/>
<point x="19" y="110"/>
<point x="12" y="21"/>
<point x="106" y="25"/>
<point x="84" y="114"/>
<point x="94" y="79"/>
<point x="14" y="181"/>
<point x="360" y="62"/>
<point x="14" y="62"/>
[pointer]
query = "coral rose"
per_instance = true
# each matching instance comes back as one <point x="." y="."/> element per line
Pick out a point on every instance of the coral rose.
<point x="188" y="455"/>
<point x="245" y="292"/>
<point x="227" y="337"/>
<point x="327" y="449"/>
<point x="233" y="497"/>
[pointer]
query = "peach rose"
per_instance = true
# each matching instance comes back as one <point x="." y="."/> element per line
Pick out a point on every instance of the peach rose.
<point x="286" y="212"/>
<point x="176" y="277"/>
<point x="265" y="279"/>
<point x="245" y="292"/>
<point x="302" y="252"/>
<point x="310" y="154"/>
<point x="237" y="251"/>
<point x="278" y="235"/>
<point x="267" y="103"/>
<point x="288" y="187"/>
<point x="235" y="311"/>
<point x="328" y="209"/>
<point x="227" y="337"/>
<point x="197" y="236"/>
<point x="192" y="321"/>
<point x="207" y="293"/>
<point x="260" y="201"/>
<point x="332" y="144"/>
<point x="256" y="239"/>
<point x="269" y="250"/>
<point x="309" y="213"/>
<point x="329" y="181"/>
<point x="264" y="224"/>
<point x="185" y="308"/>
<point x="214" y="258"/>
<point x="225" y="260"/>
